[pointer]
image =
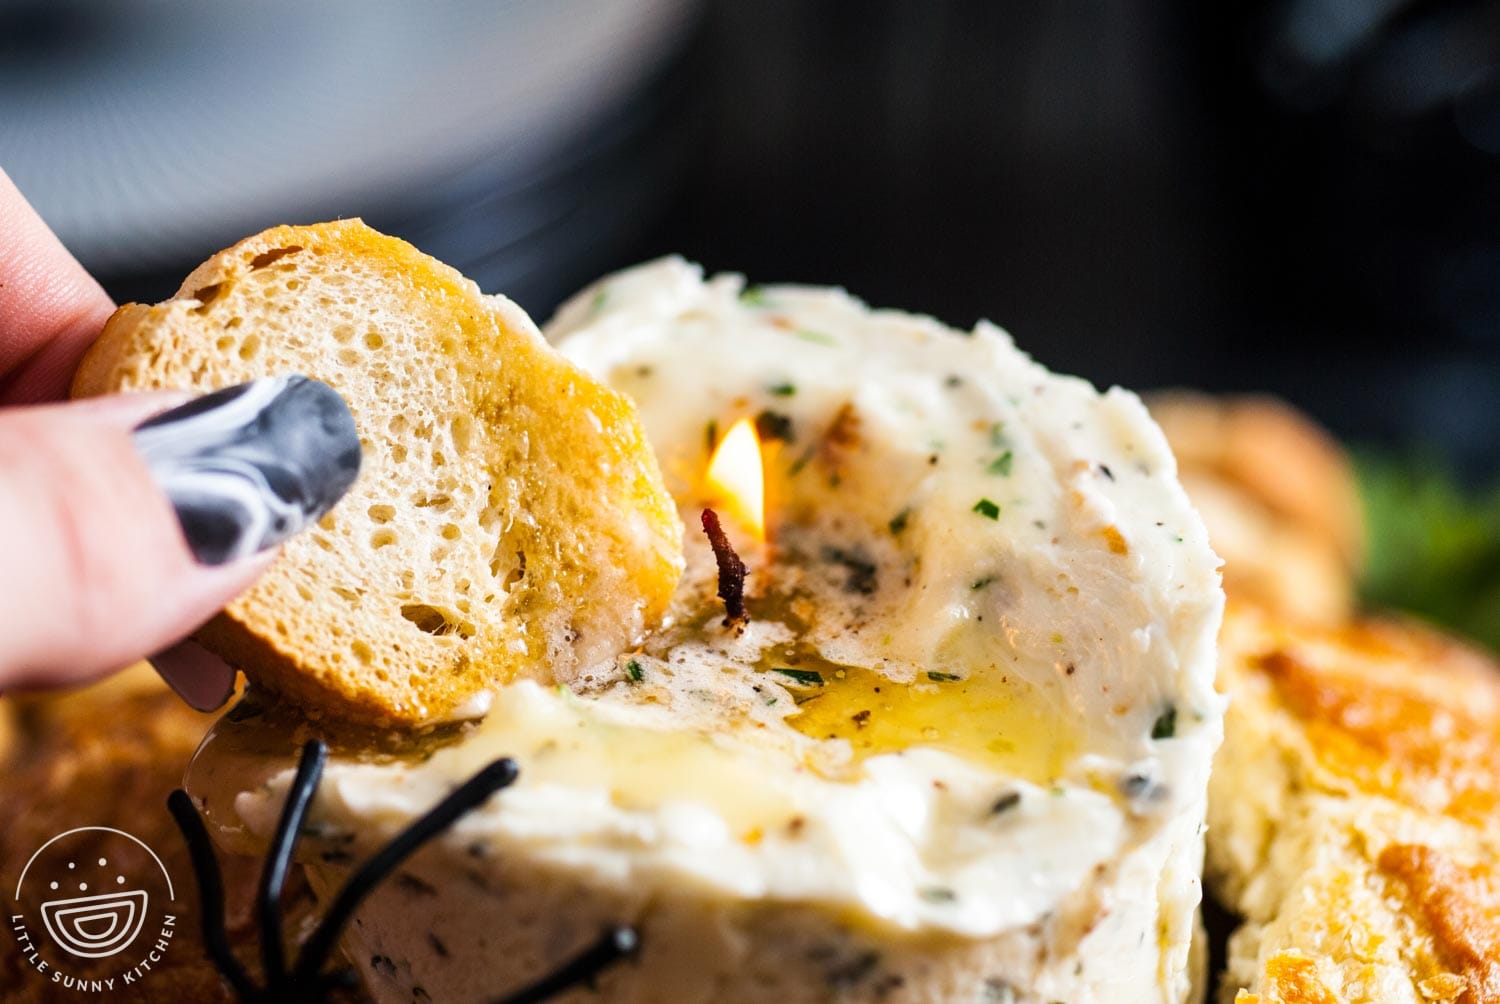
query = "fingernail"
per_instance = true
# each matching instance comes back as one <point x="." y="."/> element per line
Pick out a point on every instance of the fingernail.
<point x="249" y="466"/>
<point x="197" y="676"/>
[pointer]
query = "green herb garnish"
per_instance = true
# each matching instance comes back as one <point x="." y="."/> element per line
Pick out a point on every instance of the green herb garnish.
<point x="987" y="509"/>
<point x="942" y="677"/>
<point x="753" y="296"/>
<point x="784" y="389"/>
<point x="1165" y="726"/>
<point x="802" y="461"/>
<point x="634" y="671"/>
<point x="816" y="337"/>
<point x="1001" y="464"/>
<point x="997" y="434"/>
<point x="1432" y="540"/>
<point x="806" y="677"/>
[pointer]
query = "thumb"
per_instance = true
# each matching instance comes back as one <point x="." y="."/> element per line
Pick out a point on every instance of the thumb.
<point x="121" y="533"/>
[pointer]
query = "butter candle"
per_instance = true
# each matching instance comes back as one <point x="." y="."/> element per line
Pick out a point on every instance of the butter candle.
<point x="959" y="748"/>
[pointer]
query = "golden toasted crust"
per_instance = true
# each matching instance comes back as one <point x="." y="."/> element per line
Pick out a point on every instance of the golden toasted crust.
<point x="1278" y="495"/>
<point x="1269" y="559"/>
<point x="509" y="519"/>
<point x="1275" y="452"/>
<point x="1354" y="813"/>
<point x="1459" y="906"/>
<point x="1398" y="712"/>
<point x="1294" y="978"/>
<point x="108" y="755"/>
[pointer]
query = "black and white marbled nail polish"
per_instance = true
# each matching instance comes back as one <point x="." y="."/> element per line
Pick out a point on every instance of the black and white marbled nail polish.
<point x="249" y="466"/>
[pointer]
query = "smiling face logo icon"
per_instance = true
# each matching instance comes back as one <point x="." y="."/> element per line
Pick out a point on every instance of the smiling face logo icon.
<point x="96" y="927"/>
<point x="94" y="905"/>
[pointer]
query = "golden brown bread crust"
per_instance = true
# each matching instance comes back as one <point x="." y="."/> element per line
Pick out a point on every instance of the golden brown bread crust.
<point x="1354" y="814"/>
<point x="1275" y="453"/>
<point x="1354" y="809"/>
<point x="1267" y="558"/>
<point x="1399" y="712"/>
<point x="1295" y="977"/>
<point x="1279" y="498"/>
<point x="1460" y="906"/>
<point x="510" y="519"/>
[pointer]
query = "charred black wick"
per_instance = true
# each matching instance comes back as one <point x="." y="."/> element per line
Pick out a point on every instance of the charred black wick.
<point x="731" y="572"/>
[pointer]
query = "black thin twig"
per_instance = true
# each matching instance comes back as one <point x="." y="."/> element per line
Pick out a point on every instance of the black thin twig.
<point x="279" y="858"/>
<point x="615" y="944"/>
<point x="471" y="793"/>
<point x="210" y="892"/>
<point x="306" y="981"/>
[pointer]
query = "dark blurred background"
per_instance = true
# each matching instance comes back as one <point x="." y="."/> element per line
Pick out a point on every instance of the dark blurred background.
<point x="1300" y="196"/>
<point x="1294" y="195"/>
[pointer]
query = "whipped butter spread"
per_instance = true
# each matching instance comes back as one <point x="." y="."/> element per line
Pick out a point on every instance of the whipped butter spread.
<point x="978" y="669"/>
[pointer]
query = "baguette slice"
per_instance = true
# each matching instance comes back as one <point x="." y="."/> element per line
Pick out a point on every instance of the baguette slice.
<point x="509" y="519"/>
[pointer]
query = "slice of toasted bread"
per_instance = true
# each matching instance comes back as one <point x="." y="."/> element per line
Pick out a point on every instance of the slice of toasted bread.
<point x="1354" y="814"/>
<point x="509" y="519"/>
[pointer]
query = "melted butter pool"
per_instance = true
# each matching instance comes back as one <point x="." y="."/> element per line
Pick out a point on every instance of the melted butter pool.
<point x="987" y="719"/>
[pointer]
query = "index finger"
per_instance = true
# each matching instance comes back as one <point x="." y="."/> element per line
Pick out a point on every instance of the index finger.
<point x="51" y="310"/>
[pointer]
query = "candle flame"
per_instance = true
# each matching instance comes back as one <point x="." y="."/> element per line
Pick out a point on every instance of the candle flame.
<point x="737" y="479"/>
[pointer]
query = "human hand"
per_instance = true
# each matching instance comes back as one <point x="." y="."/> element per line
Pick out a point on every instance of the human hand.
<point x="117" y="540"/>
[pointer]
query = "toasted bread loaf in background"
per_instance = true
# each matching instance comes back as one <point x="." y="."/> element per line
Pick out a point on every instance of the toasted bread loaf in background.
<point x="1279" y="496"/>
<point x="1276" y="453"/>
<point x="509" y="520"/>
<point x="1354" y="807"/>
<point x="1354" y="814"/>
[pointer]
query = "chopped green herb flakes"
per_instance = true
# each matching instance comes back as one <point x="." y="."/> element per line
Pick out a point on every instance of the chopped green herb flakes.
<point x="987" y="509"/>
<point x="816" y="337"/>
<point x="806" y="677"/>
